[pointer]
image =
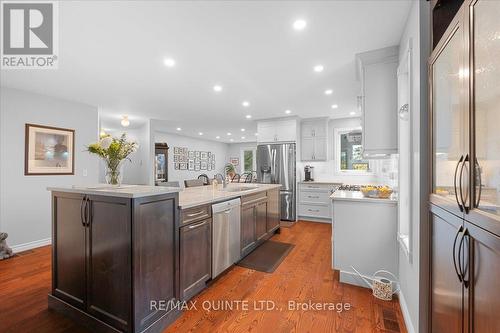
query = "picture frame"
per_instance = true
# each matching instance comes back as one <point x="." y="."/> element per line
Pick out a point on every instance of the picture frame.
<point x="234" y="161"/>
<point x="197" y="154"/>
<point x="191" y="165"/>
<point x="183" y="166"/>
<point x="49" y="150"/>
<point x="176" y="166"/>
<point x="191" y="154"/>
<point x="203" y="165"/>
<point x="197" y="166"/>
<point x="204" y="155"/>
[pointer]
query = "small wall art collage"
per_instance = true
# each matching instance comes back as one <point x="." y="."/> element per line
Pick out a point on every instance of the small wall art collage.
<point x="193" y="160"/>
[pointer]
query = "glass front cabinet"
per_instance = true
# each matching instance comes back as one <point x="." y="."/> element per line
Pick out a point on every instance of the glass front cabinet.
<point x="464" y="91"/>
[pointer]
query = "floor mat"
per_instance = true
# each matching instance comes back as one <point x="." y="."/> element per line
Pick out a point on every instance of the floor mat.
<point x="267" y="257"/>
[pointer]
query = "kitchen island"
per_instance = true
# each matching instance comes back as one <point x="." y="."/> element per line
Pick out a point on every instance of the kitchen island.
<point x="121" y="252"/>
<point x="364" y="235"/>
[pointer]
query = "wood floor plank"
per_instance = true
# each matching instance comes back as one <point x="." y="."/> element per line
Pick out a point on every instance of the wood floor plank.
<point x="305" y="275"/>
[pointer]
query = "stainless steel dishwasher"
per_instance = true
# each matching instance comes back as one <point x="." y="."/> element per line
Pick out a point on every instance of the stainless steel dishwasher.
<point x="225" y="235"/>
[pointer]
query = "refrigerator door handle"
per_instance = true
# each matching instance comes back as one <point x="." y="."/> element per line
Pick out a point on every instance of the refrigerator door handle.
<point x="459" y="275"/>
<point x="455" y="183"/>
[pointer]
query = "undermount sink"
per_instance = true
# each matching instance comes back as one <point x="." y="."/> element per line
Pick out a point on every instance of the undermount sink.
<point x="239" y="189"/>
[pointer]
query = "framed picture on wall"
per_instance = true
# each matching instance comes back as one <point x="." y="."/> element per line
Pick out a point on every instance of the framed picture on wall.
<point x="209" y="167"/>
<point x="183" y="166"/>
<point x="197" y="154"/>
<point x="49" y="150"/>
<point x="235" y="161"/>
<point x="191" y="154"/>
<point x="176" y="166"/>
<point x="204" y="155"/>
<point x="196" y="166"/>
<point x="191" y="165"/>
<point x="203" y="165"/>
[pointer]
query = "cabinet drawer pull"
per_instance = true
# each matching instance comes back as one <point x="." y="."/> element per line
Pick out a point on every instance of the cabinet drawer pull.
<point x="194" y="226"/>
<point x="196" y="214"/>
<point x="312" y="186"/>
<point x="313" y="196"/>
<point x="313" y="210"/>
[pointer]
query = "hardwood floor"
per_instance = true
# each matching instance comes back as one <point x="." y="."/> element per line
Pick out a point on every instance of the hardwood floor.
<point x="305" y="275"/>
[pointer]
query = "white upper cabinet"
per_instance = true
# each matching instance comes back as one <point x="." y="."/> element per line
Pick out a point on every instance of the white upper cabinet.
<point x="284" y="130"/>
<point x="377" y="72"/>
<point x="314" y="137"/>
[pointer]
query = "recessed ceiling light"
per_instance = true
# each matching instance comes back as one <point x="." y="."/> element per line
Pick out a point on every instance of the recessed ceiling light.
<point x="248" y="116"/>
<point x="318" y="68"/>
<point x="335" y="106"/>
<point x="169" y="62"/>
<point x="231" y="140"/>
<point x="217" y="88"/>
<point x="245" y="103"/>
<point x="299" y="24"/>
<point x="200" y="133"/>
<point x="243" y="130"/>
<point x="328" y="91"/>
<point x="352" y="113"/>
<point x="125" y="122"/>
<point x="256" y="134"/>
<point x="243" y="138"/>
<point x="217" y="137"/>
<point x="179" y="129"/>
<point x="228" y="133"/>
<point x="288" y="111"/>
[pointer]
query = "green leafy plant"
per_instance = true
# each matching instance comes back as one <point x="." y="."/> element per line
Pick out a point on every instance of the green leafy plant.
<point x="229" y="169"/>
<point x="113" y="151"/>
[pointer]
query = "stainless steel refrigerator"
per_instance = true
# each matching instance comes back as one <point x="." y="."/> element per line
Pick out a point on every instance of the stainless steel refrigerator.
<point x="276" y="165"/>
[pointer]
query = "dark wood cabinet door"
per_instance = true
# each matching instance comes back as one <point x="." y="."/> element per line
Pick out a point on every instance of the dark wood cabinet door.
<point x="69" y="249"/>
<point x="195" y="257"/>
<point x="109" y="261"/>
<point x="261" y="220"/>
<point x="155" y="258"/>
<point x="273" y="210"/>
<point x="446" y="288"/>
<point x="483" y="272"/>
<point x="247" y="228"/>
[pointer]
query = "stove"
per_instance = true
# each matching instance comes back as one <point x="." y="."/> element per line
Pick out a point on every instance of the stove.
<point x="347" y="187"/>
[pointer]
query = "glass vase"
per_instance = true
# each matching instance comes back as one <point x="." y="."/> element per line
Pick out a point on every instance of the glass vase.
<point x="114" y="173"/>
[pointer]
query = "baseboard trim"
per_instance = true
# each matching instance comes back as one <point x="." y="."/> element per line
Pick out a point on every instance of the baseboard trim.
<point x="315" y="219"/>
<point x="406" y="313"/>
<point x="31" y="245"/>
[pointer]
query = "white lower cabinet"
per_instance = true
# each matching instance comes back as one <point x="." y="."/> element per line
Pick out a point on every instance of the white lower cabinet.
<point x="314" y="200"/>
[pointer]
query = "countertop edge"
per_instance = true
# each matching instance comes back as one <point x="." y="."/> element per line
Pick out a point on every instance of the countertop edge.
<point x="128" y="195"/>
<point x="230" y="195"/>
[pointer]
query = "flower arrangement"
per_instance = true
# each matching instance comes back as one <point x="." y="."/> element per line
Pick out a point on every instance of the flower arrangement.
<point x="113" y="151"/>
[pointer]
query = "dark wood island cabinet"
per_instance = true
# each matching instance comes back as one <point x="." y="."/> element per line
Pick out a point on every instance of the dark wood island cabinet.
<point x="115" y="259"/>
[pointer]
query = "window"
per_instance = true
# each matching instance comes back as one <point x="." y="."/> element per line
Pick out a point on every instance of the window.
<point x="248" y="159"/>
<point x="350" y="151"/>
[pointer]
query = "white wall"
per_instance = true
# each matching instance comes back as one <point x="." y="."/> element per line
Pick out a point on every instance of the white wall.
<point x="409" y="269"/>
<point x="25" y="205"/>
<point x="174" y="140"/>
<point x="138" y="169"/>
<point x="326" y="171"/>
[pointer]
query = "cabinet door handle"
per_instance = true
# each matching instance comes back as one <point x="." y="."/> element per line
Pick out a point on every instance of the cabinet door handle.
<point x="464" y="204"/>
<point x="194" y="226"/>
<point x="313" y="196"/>
<point x="455" y="183"/>
<point x="454" y="258"/>
<point x="196" y="214"/>
<point x="478" y="199"/>
<point x="463" y="270"/>
<point x="313" y="210"/>
<point x="89" y="212"/>
<point x="82" y="210"/>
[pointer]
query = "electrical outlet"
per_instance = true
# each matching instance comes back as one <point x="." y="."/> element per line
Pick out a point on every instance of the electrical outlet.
<point x="84" y="173"/>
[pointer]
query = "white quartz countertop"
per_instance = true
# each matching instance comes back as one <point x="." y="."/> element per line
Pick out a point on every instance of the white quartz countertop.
<point x="122" y="191"/>
<point x="202" y="195"/>
<point x="358" y="196"/>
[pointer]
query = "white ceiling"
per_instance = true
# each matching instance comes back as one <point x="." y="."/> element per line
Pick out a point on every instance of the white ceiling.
<point x="112" y="52"/>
